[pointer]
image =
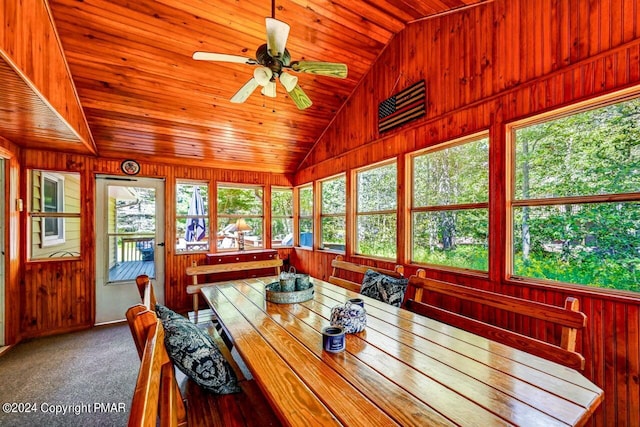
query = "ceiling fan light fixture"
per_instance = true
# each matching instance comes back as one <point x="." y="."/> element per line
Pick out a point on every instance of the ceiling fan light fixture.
<point x="288" y="81"/>
<point x="262" y="75"/>
<point x="269" y="90"/>
<point x="277" y="34"/>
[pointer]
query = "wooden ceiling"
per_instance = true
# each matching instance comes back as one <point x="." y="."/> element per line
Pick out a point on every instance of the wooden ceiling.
<point x="144" y="97"/>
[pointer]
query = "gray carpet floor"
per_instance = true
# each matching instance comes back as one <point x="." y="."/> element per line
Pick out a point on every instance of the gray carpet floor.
<point x="90" y="375"/>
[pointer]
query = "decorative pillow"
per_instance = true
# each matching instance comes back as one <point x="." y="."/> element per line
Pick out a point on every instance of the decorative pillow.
<point x="384" y="288"/>
<point x="194" y="353"/>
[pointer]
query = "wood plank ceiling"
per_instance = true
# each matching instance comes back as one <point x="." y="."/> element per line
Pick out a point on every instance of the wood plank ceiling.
<point x="144" y="97"/>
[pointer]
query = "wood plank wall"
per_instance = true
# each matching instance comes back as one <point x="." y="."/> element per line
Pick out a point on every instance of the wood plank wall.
<point x="41" y="59"/>
<point x="10" y="153"/>
<point x="485" y="67"/>
<point x="59" y="296"/>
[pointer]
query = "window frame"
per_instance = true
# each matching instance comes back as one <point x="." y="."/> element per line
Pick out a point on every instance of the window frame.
<point x="206" y="216"/>
<point x="299" y="217"/>
<point x="236" y="217"/>
<point x="281" y="217"/>
<point x="510" y="188"/>
<point x="357" y="214"/>
<point x="322" y="215"/>
<point x="412" y="209"/>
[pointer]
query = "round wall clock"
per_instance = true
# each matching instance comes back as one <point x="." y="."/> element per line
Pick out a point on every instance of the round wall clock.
<point x="130" y="167"/>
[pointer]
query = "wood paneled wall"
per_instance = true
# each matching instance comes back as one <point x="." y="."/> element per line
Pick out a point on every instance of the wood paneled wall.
<point x="484" y="67"/>
<point x="12" y="238"/>
<point x="29" y="38"/>
<point x="59" y="296"/>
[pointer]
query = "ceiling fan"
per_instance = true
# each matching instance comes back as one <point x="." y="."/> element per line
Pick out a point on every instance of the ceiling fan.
<point x="272" y="60"/>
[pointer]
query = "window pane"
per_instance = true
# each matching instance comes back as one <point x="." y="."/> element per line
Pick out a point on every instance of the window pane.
<point x="306" y="232"/>
<point x="377" y="235"/>
<point x="377" y="189"/>
<point x="192" y="220"/>
<point x="591" y="244"/>
<point x="451" y="176"/>
<point x="240" y="201"/>
<point x="334" y="196"/>
<point x="282" y="232"/>
<point x="593" y="152"/>
<point x="306" y="201"/>
<point x="454" y="238"/>
<point x="333" y="233"/>
<point x="69" y="247"/>
<point x="282" y="202"/>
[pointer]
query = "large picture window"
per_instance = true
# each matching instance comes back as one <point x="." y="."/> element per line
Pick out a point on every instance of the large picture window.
<point x="575" y="214"/>
<point x="450" y="210"/>
<point x="333" y="213"/>
<point x="281" y="217"/>
<point x="305" y="216"/>
<point x="376" y="211"/>
<point x="240" y="217"/>
<point x="192" y="219"/>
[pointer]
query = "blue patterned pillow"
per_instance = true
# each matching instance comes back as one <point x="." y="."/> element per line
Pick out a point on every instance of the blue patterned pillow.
<point x="194" y="353"/>
<point x="384" y="288"/>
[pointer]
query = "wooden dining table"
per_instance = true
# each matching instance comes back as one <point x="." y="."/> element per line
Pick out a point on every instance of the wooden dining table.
<point x="403" y="369"/>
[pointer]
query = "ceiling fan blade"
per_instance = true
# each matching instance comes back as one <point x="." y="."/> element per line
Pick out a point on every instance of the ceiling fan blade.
<point x="245" y="91"/>
<point x="331" y="69"/>
<point x="222" y="57"/>
<point x="277" y="34"/>
<point x="269" y="90"/>
<point x="300" y="98"/>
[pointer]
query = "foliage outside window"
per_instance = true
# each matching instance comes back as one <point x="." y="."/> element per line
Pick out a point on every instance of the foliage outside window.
<point x="281" y="217"/>
<point x="55" y="214"/>
<point x="192" y="217"/>
<point x="376" y="216"/>
<point x="576" y="199"/>
<point x="333" y="213"/>
<point x="449" y="214"/>
<point x="305" y="216"/>
<point x="236" y="202"/>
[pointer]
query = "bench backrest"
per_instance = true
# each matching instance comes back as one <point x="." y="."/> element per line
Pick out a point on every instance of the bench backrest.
<point x="156" y="393"/>
<point x="197" y="270"/>
<point x="568" y="317"/>
<point x="339" y="264"/>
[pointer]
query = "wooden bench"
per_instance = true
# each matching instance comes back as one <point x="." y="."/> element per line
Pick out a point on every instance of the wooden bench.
<point x="199" y="270"/>
<point x="568" y="317"/>
<point x="340" y="265"/>
<point x="158" y="395"/>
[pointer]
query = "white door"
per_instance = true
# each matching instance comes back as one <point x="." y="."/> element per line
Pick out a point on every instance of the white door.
<point x="2" y="253"/>
<point x="129" y="242"/>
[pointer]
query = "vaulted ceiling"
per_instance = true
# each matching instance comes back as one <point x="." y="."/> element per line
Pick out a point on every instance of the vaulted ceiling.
<point x="143" y="95"/>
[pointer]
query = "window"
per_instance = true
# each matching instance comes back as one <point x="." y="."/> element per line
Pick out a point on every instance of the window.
<point x="240" y="205"/>
<point x="333" y="213"/>
<point x="192" y="219"/>
<point x="449" y="207"/>
<point x="52" y="200"/>
<point x="305" y="216"/>
<point x="281" y="217"/>
<point x="55" y="214"/>
<point x="575" y="214"/>
<point x="376" y="216"/>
